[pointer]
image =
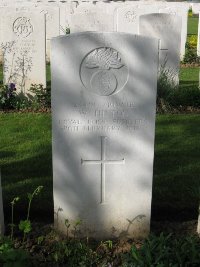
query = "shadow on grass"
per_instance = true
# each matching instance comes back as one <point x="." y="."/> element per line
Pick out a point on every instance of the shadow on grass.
<point x="176" y="168"/>
<point x="20" y="177"/>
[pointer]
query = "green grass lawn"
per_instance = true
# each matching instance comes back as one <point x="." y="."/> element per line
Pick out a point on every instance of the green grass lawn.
<point x="25" y="159"/>
<point x="189" y="77"/>
<point x="193" y="25"/>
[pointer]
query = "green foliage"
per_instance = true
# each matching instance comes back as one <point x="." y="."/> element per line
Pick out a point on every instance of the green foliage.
<point x="191" y="52"/>
<point x="7" y="96"/>
<point x="171" y="96"/>
<point x="41" y="97"/>
<point x="25" y="225"/>
<point x="190" y="13"/>
<point x="12" y="225"/>
<point x="185" y="97"/>
<point x="165" y="250"/>
<point x="11" y="257"/>
<point x="72" y="253"/>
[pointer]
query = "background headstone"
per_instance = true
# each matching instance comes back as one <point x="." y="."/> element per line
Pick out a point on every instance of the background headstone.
<point x="23" y="48"/>
<point x="128" y="17"/>
<point x="91" y="22"/>
<point x="103" y="102"/>
<point x="181" y="11"/>
<point x="167" y="28"/>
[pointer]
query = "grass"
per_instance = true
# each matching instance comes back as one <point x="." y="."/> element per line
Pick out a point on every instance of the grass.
<point x="25" y="159"/>
<point x="192" y="25"/>
<point x="189" y="77"/>
<point x="176" y="166"/>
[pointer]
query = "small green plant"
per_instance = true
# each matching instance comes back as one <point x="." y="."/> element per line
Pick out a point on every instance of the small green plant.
<point x="12" y="225"/>
<point x="7" y="96"/>
<point x="190" y="13"/>
<point x="67" y="224"/>
<point x="67" y="30"/>
<point x="76" y="225"/>
<point x="191" y="51"/>
<point x="25" y="225"/>
<point x="11" y="257"/>
<point x="41" y="98"/>
<point x="164" y="250"/>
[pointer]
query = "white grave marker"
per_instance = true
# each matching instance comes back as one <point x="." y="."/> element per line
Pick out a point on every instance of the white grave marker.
<point x="91" y="22"/>
<point x="183" y="13"/>
<point x="103" y="102"/>
<point x="128" y="18"/>
<point x="167" y="28"/>
<point x="23" y="46"/>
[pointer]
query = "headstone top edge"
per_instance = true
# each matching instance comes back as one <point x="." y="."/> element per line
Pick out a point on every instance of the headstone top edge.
<point x="76" y="34"/>
<point x="160" y="15"/>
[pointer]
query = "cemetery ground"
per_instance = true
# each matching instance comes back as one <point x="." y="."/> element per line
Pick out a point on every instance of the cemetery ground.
<point x="26" y="163"/>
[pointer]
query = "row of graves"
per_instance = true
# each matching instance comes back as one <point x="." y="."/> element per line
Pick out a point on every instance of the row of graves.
<point x="26" y="29"/>
<point x="104" y="79"/>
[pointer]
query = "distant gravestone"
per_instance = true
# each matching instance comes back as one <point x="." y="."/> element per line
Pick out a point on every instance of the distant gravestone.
<point x="91" y="22"/>
<point x="181" y="11"/>
<point x="198" y="40"/>
<point x="167" y="28"/>
<point x="23" y="47"/>
<point x="103" y="102"/>
<point x="52" y="18"/>
<point x="127" y="18"/>
<point x="1" y="210"/>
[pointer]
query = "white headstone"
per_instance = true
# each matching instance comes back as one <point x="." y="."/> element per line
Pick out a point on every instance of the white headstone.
<point x="52" y="16"/>
<point x="128" y="18"/>
<point x="23" y="46"/>
<point x="91" y="22"/>
<point x="183" y="13"/>
<point x="195" y="8"/>
<point x="198" y="39"/>
<point x="1" y="210"/>
<point x="103" y="102"/>
<point x="167" y="28"/>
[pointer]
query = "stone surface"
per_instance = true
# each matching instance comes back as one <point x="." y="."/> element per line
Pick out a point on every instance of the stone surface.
<point x="1" y="210"/>
<point x="198" y="40"/>
<point x="103" y="104"/>
<point x="167" y="28"/>
<point x="181" y="11"/>
<point x="127" y="18"/>
<point x="91" y="21"/>
<point x="52" y="19"/>
<point x="23" y="47"/>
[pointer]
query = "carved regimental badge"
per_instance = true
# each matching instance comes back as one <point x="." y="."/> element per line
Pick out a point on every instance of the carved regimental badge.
<point x="22" y="27"/>
<point x="103" y="71"/>
<point x="130" y="16"/>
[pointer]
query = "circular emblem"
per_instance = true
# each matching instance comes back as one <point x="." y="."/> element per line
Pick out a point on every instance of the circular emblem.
<point x="22" y="27"/>
<point x="130" y="16"/>
<point x="103" y="71"/>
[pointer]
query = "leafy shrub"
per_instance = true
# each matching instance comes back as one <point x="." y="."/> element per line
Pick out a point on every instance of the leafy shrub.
<point x="41" y="96"/>
<point x="191" y="52"/>
<point x="190" y="13"/>
<point x="11" y="257"/>
<point x="162" y="251"/>
<point x="192" y="40"/>
<point x="171" y="97"/>
<point x="185" y="97"/>
<point x="7" y="96"/>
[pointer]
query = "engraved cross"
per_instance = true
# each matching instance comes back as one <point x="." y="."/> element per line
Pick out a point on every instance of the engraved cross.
<point x="103" y="161"/>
